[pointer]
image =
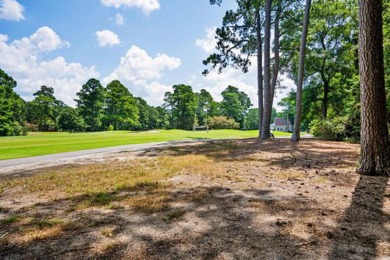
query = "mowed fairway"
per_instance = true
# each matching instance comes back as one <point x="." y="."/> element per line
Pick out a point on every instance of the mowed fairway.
<point x="58" y="142"/>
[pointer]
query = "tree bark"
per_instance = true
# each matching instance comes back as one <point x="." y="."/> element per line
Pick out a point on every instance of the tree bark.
<point x="326" y="100"/>
<point x="259" y="70"/>
<point x="265" y="131"/>
<point x="375" y="144"/>
<point x="298" y="107"/>
<point x="275" y="70"/>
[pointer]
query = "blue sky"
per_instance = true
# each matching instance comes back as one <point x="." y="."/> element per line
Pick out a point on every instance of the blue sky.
<point x="149" y="45"/>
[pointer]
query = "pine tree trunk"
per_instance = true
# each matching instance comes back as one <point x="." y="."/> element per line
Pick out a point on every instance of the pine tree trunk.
<point x="259" y="70"/>
<point x="375" y="145"/>
<point x="265" y="131"/>
<point x="275" y="71"/>
<point x="326" y="100"/>
<point x="298" y="107"/>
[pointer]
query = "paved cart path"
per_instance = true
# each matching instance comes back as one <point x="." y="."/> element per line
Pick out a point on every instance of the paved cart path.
<point x="13" y="166"/>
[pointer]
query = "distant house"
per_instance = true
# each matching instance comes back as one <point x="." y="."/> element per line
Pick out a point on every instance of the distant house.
<point x="281" y="124"/>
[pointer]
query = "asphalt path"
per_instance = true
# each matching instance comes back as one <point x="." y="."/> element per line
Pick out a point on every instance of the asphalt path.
<point x="36" y="162"/>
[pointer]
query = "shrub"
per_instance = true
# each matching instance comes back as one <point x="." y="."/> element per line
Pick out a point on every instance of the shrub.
<point x="18" y="129"/>
<point x="329" y="129"/>
<point x="110" y="128"/>
<point x="222" y="122"/>
<point x="70" y="121"/>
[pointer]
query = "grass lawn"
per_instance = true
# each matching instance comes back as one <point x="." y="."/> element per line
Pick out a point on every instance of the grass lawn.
<point x="49" y="143"/>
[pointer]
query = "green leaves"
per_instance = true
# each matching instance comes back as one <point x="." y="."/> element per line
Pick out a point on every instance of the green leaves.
<point x="121" y="110"/>
<point x="90" y="104"/>
<point x="181" y="105"/>
<point x="235" y="105"/>
<point x="12" y="108"/>
<point x="236" y="38"/>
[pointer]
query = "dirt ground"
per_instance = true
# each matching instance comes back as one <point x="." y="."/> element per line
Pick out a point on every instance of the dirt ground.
<point x="241" y="199"/>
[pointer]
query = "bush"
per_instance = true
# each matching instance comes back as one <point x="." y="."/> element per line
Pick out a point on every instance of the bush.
<point x="329" y="129"/>
<point x="70" y="121"/>
<point x="222" y="122"/>
<point x="18" y="129"/>
<point x="110" y="128"/>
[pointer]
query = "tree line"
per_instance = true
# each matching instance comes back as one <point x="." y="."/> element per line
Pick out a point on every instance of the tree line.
<point x="114" y="108"/>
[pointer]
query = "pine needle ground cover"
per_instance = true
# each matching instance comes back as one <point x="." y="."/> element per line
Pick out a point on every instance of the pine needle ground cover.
<point x="227" y="199"/>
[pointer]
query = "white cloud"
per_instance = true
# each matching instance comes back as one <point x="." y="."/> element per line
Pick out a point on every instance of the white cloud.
<point x="208" y="44"/>
<point x="140" y="71"/>
<point x="119" y="19"/>
<point x="147" y="6"/>
<point x="11" y="10"/>
<point x="106" y="37"/>
<point x="24" y="60"/>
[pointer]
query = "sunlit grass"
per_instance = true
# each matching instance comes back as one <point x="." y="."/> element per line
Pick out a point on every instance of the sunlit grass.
<point x="57" y="142"/>
<point x="132" y="175"/>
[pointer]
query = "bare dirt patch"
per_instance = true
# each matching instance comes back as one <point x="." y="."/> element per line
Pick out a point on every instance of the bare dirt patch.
<point x="217" y="200"/>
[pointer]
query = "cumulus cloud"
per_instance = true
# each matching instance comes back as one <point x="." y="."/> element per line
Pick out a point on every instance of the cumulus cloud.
<point x="141" y="72"/>
<point x="11" y="10"/>
<point x="24" y="60"/>
<point x="106" y="37"/>
<point x="119" y="19"/>
<point x="208" y="44"/>
<point x="147" y="6"/>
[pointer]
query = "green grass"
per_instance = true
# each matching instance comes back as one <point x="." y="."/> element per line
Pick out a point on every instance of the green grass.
<point x="58" y="142"/>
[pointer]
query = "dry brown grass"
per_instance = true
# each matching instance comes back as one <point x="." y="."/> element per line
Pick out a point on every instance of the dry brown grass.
<point x="129" y="175"/>
<point x="33" y="234"/>
<point x="138" y="185"/>
<point x="148" y="203"/>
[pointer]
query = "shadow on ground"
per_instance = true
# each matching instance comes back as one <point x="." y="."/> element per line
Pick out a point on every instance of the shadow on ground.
<point x="364" y="228"/>
<point x="198" y="223"/>
<point x="308" y="153"/>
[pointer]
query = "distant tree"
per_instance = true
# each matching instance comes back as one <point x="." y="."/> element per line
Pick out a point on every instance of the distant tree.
<point x="144" y="115"/>
<point x="154" y="118"/>
<point x="90" y="104"/>
<point x="235" y="105"/>
<point x="215" y="109"/>
<point x="42" y="110"/>
<point x="182" y="105"/>
<point x="121" y="109"/>
<point x="204" y="106"/>
<point x="375" y="144"/>
<point x="69" y="120"/>
<point x="163" y="118"/>
<point x="12" y="108"/>
<point x="252" y="121"/>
